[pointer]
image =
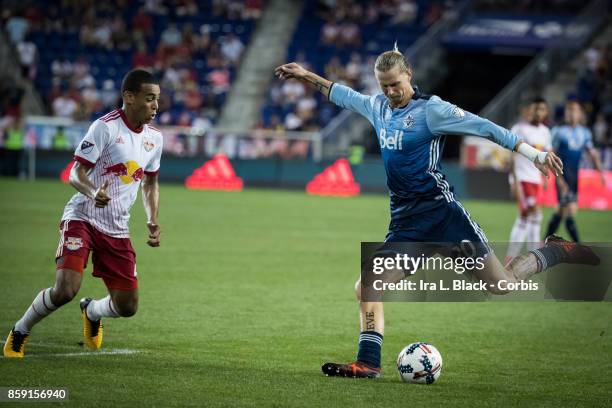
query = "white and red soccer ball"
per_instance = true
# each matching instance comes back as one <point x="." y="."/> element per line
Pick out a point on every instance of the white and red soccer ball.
<point x="419" y="363"/>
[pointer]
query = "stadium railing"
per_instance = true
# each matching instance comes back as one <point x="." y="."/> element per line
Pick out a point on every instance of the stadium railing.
<point x="184" y="141"/>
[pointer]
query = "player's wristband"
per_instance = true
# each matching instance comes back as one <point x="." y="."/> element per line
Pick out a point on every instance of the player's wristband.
<point x="532" y="153"/>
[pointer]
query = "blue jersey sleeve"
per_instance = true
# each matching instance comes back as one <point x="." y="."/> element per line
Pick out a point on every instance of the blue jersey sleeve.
<point x="588" y="143"/>
<point x="556" y="138"/>
<point x="444" y="118"/>
<point x="347" y="98"/>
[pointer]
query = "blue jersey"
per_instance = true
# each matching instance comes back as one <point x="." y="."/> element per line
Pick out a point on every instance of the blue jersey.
<point x="569" y="142"/>
<point x="411" y="141"/>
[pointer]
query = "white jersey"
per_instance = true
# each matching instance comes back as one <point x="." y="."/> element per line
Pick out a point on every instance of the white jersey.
<point x="121" y="155"/>
<point x="537" y="136"/>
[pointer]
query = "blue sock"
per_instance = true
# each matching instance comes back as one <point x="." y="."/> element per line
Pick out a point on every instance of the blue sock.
<point x="570" y="224"/>
<point x="553" y="225"/>
<point x="370" y="343"/>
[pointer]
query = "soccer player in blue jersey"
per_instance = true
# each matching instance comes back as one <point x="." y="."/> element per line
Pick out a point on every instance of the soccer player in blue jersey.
<point x="569" y="141"/>
<point x="411" y="128"/>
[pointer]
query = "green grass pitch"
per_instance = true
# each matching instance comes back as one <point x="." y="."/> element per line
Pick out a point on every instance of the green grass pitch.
<point x="251" y="292"/>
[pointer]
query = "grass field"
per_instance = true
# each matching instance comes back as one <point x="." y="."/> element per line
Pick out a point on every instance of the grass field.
<point x="251" y="292"/>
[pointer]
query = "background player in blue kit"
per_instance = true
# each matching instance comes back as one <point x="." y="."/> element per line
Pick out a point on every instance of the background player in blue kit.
<point x="411" y="128"/>
<point x="569" y="141"/>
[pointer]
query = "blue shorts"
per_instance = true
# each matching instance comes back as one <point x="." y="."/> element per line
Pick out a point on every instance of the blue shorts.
<point x="444" y="222"/>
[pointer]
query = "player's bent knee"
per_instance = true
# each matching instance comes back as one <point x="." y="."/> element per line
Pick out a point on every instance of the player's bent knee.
<point x="63" y="294"/>
<point x="67" y="285"/>
<point x="127" y="310"/>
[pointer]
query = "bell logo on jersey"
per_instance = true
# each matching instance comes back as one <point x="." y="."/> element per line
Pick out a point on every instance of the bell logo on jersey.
<point x="128" y="172"/>
<point x="393" y="142"/>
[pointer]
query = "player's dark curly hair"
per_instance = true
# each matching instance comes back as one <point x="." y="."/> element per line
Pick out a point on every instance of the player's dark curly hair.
<point x="389" y="59"/>
<point x="134" y="79"/>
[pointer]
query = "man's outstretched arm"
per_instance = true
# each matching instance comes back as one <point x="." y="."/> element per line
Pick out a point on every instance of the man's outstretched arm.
<point x="342" y="95"/>
<point x="444" y="118"/>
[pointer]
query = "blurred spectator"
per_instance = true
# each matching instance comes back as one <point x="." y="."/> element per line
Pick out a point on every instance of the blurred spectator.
<point x="434" y="13"/>
<point x="142" y="59"/>
<point x="231" y="48"/>
<point x="28" y="58"/>
<point x="61" y="68"/>
<point x="353" y="69"/>
<point x="82" y="77"/>
<point x="293" y="121"/>
<point x="91" y="101"/>
<point x="350" y="35"/>
<point x="156" y="7"/>
<point x="186" y="8"/>
<point x="219" y="79"/>
<point x="120" y="37"/>
<point x="592" y="56"/>
<point x="330" y="32"/>
<point x="334" y="71"/>
<point x="17" y="26"/>
<point x="64" y="105"/>
<point x="171" y="36"/>
<point x="109" y="96"/>
<point x="142" y="22"/>
<point x="292" y="91"/>
<point x="407" y="11"/>
<point x="60" y="140"/>
<point x="253" y="8"/>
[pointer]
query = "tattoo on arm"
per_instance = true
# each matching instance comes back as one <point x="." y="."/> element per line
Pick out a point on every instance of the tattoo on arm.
<point x="369" y="320"/>
<point x="320" y="87"/>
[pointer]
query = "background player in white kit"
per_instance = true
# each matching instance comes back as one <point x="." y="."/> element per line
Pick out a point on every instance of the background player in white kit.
<point x="118" y="153"/>
<point x="527" y="181"/>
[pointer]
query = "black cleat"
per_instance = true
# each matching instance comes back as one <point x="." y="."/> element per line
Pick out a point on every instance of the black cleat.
<point x="356" y="369"/>
<point x="14" y="347"/>
<point x="573" y="252"/>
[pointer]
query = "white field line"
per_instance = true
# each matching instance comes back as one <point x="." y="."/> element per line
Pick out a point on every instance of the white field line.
<point x="87" y="353"/>
<point x="61" y="347"/>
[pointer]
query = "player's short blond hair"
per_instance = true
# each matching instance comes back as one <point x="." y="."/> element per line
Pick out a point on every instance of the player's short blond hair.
<point x="390" y="59"/>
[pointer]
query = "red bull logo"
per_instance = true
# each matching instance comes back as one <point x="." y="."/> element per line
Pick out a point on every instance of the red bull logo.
<point x="128" y="172"/>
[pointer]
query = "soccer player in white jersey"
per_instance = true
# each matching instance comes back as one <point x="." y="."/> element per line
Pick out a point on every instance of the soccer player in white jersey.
<point x="410" y="127"/>
<point x="527" y="180"/>
<point x="119" y="153"/>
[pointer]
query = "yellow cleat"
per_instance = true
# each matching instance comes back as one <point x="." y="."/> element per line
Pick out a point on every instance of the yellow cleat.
<point x="93" y="331"/>
<point x="15" y="344"/>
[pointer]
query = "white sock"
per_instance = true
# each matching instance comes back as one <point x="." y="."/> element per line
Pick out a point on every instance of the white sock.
<point x="533" y="231"/>
<point x="98" y="309"/>
<point x="40" y="308"/>
<point x="517" y="237"/>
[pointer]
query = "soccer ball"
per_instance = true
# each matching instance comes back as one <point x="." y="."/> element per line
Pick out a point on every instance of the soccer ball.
<point x="419" y="363"/>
